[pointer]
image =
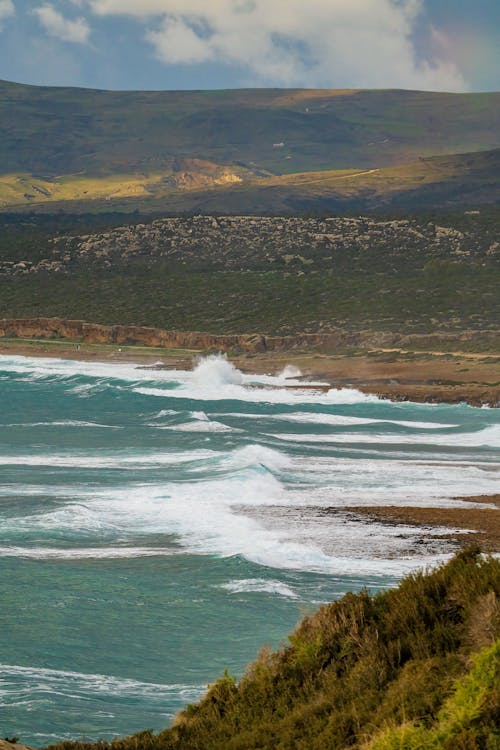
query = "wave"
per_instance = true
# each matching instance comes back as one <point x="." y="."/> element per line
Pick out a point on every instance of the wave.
<point x="135" y="462"/>
<point x="48" y="680"/>
<point x="340" y="420"/>
<point x="489" y="437"/>
<point x="259" y="393"/>
<point x="259" y="586"/>
<point x="87" y="553"/>
<point x="64" y="423"/>
<point x="215" y="371"/>
<point x="290" y="372"/>
<point x="255" y="455"/>
<point x="200" y="423"/>
<point x="213" y="379"/>
<point x="249" y="515"/>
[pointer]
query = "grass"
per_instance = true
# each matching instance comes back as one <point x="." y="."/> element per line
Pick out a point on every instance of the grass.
<point x="412" y="668"/>
<point x="53" y="345"/>
<point x="16" y="189"/>
<point x="458" y="179"/>
<point x="266" y="302"/>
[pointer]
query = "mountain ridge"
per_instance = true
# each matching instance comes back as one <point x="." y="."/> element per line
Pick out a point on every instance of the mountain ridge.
<point x="136" y="138"/>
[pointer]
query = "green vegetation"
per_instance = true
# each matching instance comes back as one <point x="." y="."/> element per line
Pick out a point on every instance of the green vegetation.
<point x="400" y="282"/>
<point x="266" y="302"/>
<point x="413" y="668"/>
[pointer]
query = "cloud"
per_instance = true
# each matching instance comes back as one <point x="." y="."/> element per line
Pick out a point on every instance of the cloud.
<point x="353" y="43"/>
<point x="6" y="10"/>
<point x="57" y="25"/>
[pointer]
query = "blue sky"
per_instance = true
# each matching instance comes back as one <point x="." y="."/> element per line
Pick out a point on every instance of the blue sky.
<point x="449" y="45"/>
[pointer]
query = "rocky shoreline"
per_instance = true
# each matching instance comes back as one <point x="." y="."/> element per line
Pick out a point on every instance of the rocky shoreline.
<point x="363" y="361"/>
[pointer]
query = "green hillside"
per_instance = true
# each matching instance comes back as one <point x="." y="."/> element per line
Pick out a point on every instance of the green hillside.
<point x="416" y="668"/>
<point x="246" y="274"/>
<point x="77" y="144"/>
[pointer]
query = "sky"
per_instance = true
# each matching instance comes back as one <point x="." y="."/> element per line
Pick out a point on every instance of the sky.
<point x="439" y="45"/>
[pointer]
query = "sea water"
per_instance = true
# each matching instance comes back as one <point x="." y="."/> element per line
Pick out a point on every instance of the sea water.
<point x="158" y="526"/>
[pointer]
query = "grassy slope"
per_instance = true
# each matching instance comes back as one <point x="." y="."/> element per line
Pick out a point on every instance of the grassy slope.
<point x="52" y="132"/>
<point x="373" y="673"/>
<point x="268" y="302"/>
<point x="463" y="179"/>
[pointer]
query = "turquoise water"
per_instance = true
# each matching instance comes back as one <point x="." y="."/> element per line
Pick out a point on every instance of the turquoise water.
<point x="158" y="527"/>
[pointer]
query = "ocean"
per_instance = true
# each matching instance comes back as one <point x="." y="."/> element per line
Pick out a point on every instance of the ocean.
<point x="158" y="526"/>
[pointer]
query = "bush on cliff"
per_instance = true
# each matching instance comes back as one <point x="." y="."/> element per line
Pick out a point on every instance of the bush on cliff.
<point x="412" y="668"/>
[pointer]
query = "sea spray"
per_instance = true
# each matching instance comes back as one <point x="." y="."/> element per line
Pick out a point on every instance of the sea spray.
<point x="290" y="372"/>
<point x="215" y="371"/>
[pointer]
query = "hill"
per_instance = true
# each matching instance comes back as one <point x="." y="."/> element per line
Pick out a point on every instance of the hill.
<point x="416" y="667"/>
<point x="184" y="149"/>
<point x="271" y="275"/>
<point x="199" y="186"/>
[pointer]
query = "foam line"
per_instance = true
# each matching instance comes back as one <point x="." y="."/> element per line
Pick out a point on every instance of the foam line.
<point x="489" y="437"/>
<point x="89" y="553"/>
<point x="54" y="679"/>
<point x="260" y="586"/>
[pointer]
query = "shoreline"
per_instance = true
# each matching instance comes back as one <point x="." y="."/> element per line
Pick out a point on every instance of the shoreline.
<point x="482" y="522"/>
<point x="397" y="375"/>
<point x="375" y="373"/>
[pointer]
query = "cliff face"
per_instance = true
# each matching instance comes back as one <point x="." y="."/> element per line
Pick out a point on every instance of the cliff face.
<point x="95" y="333"/>
<point x="328" y="343"/>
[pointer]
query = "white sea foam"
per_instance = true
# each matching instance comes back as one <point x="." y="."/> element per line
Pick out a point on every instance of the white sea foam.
<point x="216" y="371"/>
<point x="214" y="378"/>
<point x="260" y="586"/>
<point x="165" y="413"/>
<point x="489" y="437"/>
<point x="40" y="679"/>
<point x="85" y="461"/>
<point x="257" y="456"/>
<point x="208" y="426"/>
<point x="258" y="393"/>
<point x="235" y="517"/>
<point x="290" y="372"/>
<point x="86" y="553"/>
<point x="64" y="423"/>
<point x="200" y="423"/>
<point x="341" y="420"/>
<point x="350" y="396"/>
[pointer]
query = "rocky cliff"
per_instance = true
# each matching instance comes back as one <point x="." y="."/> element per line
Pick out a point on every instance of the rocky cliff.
<point x="329" y="343"/>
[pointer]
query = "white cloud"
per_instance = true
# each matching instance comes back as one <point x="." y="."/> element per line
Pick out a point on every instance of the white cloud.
<point x="176" y="42"/>
<point x="354" y="43"/>
<point x="6" y="10"/>
<point x="57" y="25"/>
